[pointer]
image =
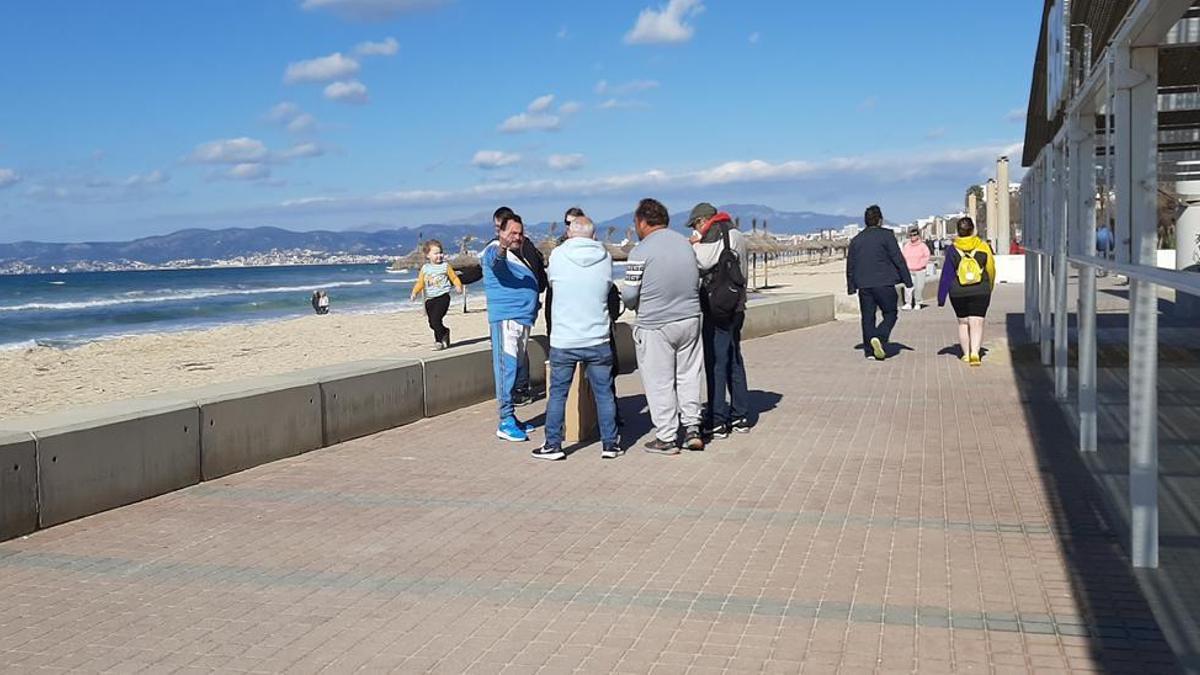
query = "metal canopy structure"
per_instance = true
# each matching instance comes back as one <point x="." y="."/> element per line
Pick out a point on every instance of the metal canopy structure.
<point x="1114" y="111"/>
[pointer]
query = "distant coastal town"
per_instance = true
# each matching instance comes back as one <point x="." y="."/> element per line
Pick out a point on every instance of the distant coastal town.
<point x="272" y="258"/>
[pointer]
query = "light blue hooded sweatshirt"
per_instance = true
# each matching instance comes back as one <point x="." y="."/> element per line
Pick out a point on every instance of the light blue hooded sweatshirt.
<point x="580" y="273"/>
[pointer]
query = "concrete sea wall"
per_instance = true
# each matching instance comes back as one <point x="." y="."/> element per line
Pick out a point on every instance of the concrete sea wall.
<point x="66" y="465"/>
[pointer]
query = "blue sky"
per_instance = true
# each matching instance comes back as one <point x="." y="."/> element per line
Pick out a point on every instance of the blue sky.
<point x="126" y="118"/>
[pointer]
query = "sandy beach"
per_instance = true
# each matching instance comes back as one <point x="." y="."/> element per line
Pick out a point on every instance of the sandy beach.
<point x="44" y="379"/>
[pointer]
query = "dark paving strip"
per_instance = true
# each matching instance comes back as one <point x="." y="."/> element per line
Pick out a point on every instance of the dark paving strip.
<point x="1111" y="632"/>
<point x="732" y="514"/>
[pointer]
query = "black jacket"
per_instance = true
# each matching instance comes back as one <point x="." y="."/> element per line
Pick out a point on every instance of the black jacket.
<point x="874" y="261"/>
<point x="535" y="261"/>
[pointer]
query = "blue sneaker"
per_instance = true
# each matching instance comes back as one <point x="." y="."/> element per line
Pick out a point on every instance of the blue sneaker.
<point x="527" y="427"/>
<point x="510" y="430"/>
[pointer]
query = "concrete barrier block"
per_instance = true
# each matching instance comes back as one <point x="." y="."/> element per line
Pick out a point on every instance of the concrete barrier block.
<point x="626" y="350"/>
<point x="255" y="421"/>
<point x="94" y="458"/>
<point x="776" y="314"/>
<point x="458" y="379"/>
<point x="539" y="353"/>
<point x="18" y="484"/>
<point x="366" y="397"/>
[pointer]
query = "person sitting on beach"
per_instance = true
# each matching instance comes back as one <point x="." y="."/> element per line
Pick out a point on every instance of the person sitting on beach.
<point x="532" y="257"/>
<point x="662" y="283"/>
<point x="435" y="279"/>
<point x="512" y="305"/>
<point x="580" y="273"/>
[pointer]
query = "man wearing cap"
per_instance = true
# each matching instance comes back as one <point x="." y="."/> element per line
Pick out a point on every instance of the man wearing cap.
<point x="724" y="368"/>
<point x="874" y="267"/>
<point x="916" y="257"/>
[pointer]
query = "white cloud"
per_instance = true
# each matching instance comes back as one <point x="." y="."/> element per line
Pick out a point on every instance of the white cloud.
<point x="290" y="117"/>
<point x="247" y="171"/>
<point x="388" y="47"/>
<point x="949" y="165"/>
<point x="494" y="159"/>
<point x="281" y="112"/>
<point x="622" y="104"/>
<point x="666" y="25"/>
<point x="8" y="178"/>
<point x="323" y="69"/>
<point x="541" y="104"/>
<point x="530" y="122"/>
<point x="1015" y="115"/>
<point x="754" y="37"/>
<point x="565" y="162"/>
<point x="632" y="87"/>
<point x="302" y="123"/>
<point x="347" y="92"/>
<point x="230" y="151"/>
<point x="370" y="10"/>
<point x="570" y="107"/>
<point x="155" y="177"/>
<point x="302" y="150"/>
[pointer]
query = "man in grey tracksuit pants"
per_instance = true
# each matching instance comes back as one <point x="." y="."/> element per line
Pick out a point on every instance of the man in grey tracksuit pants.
<point x="662" y="283"/>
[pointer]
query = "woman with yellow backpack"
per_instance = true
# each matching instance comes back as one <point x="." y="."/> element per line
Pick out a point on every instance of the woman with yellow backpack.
<point x="968" y="277"/>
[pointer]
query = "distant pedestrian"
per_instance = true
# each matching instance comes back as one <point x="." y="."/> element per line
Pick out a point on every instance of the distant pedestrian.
<point x="580" y="273"/>
<point x="723" y="306"/>
<point x="1105" y="242"/>
<point x="435" y="280"/>
<point x="968" y="277"/>
<point x="874" y="267"/>
<point x="662" y="283"/>
<point x="916" y="257"/>
<point x="533" y="259"/>
<point x="320" y="302"/>
<point x="512" y="304"/>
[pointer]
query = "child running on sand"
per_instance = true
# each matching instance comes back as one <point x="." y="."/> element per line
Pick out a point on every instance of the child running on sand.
<point x="435" y="279"/>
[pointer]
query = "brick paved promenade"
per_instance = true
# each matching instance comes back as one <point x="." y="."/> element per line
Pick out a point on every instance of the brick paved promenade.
<point x="876" y="520"/>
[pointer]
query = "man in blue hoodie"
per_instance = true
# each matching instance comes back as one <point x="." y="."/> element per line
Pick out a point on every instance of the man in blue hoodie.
<point x="512" y="305"/>
<point x="580" y="274"/>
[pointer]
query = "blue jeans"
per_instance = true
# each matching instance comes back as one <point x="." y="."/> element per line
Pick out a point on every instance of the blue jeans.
<point x="509" y="340"/>
<point x="597" y="362"/>
<point x="725" y="370"/>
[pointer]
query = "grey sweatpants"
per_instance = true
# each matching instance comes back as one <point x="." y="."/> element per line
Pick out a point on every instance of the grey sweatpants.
<point x="671" y="361"/>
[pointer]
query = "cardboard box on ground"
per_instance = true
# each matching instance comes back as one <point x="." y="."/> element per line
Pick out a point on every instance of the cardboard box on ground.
<point x="579" y="425"/>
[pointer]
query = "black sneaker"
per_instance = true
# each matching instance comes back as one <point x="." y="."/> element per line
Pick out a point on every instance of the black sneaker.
<point x="612" y="452"/>
<point x="692" y="440"/>
<point x="548" y="452"/>
<point x="661" y="447"/>
<point x="740" y="425"/>
<point x="522" y="398"/>
<point x="446" y="340"/>
<point x="718" y="432"/>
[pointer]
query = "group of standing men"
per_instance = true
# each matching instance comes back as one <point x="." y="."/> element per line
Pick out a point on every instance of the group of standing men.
<point x="689" y="295"/>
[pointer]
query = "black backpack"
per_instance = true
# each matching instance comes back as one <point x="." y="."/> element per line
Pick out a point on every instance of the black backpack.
<point x="725" y="285"/>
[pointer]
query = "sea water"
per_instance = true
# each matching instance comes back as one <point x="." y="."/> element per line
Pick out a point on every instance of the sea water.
<point x="65" y="310"/>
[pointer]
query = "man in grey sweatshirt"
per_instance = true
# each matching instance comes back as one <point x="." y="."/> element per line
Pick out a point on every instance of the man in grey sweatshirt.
<point x="662" y="283"/>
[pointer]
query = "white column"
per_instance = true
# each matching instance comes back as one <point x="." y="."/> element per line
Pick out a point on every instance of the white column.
<point x="1083" y="205"/>
<point x="1062" y="197"/>
<point x="1046" y="244"/>
<point x="1002" y="233"/>
<point x="1136" y="75"/>
<point x="1187" y="245"/>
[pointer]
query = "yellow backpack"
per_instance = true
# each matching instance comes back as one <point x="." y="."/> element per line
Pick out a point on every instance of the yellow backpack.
<point x="970" y="272"/>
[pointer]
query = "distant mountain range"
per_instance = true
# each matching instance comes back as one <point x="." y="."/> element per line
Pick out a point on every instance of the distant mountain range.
<point x="203" y="246"/>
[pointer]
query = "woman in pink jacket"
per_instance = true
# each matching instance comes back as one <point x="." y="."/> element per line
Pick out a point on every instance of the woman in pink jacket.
<point x="916" y="256"/>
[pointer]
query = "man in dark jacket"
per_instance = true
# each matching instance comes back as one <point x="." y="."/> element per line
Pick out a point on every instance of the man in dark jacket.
<point x="874" y="266"/>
